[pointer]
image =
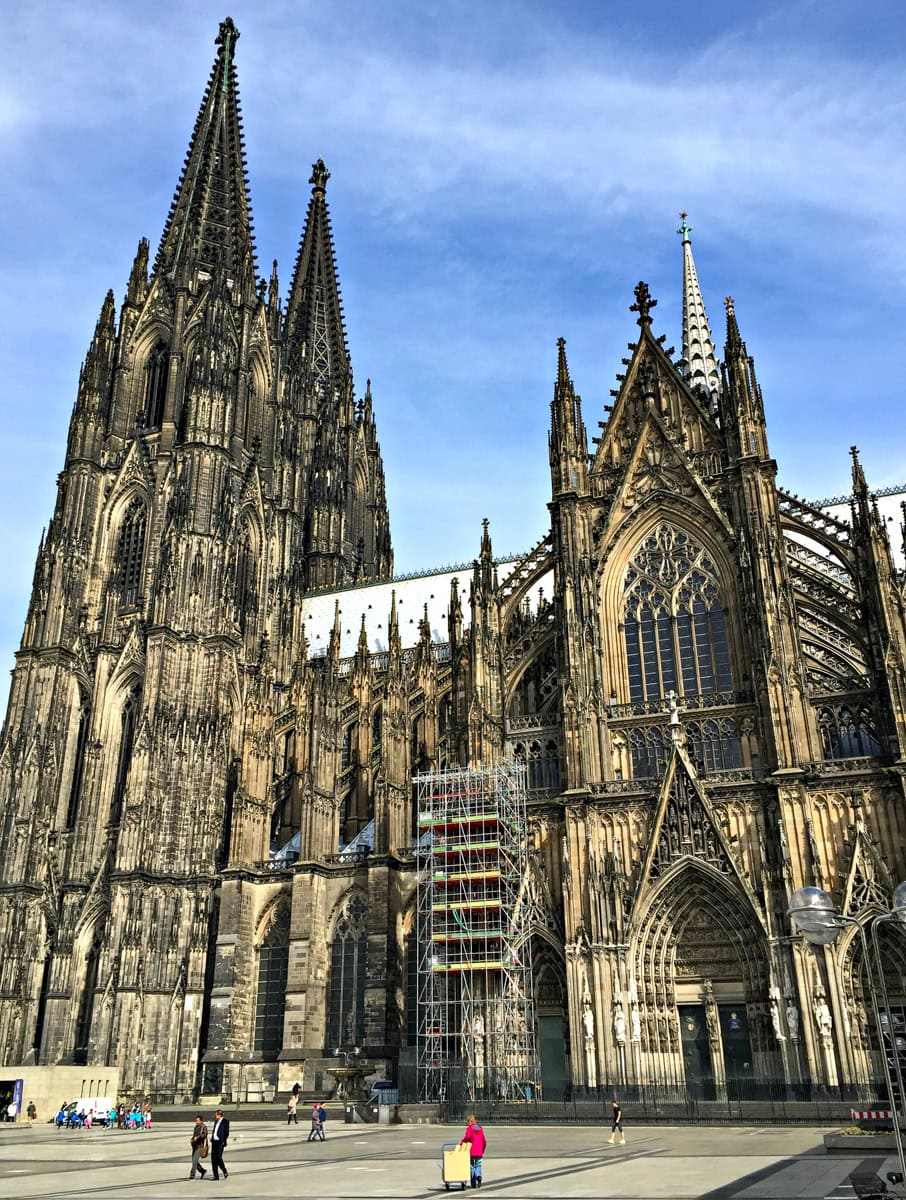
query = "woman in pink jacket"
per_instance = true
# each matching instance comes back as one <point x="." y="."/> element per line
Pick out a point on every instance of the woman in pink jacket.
<point x="474" y="1136"/>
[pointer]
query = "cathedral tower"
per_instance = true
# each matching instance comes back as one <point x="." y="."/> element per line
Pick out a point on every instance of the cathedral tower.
<point x="217" y="466"/>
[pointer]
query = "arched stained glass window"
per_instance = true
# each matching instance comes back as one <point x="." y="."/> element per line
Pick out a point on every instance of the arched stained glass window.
<point x="674" y="623"/>
<point x="130" y="552"/>
<point x="348" y="961"/>
<point x="273" y="966"/>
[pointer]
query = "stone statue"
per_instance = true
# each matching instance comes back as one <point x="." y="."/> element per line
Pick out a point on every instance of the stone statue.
<point x="588" y="1019"/>
<point x="711" y="1019"/>
<point x="823" y="1019"/>
<point x="775" y="1021"/>
<point x="588" y="1022"/>
<point x="635" y="1022"/>
<point x="619" y="1025"/>
<point x="792" y="1020"/>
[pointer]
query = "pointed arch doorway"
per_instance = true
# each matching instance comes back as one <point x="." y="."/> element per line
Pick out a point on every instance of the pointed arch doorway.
<point x="703" y="979"/>
<point x="549" y="972"/>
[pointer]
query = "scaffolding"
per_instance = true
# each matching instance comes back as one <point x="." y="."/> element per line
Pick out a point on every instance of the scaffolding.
<point x="475" y="999"/>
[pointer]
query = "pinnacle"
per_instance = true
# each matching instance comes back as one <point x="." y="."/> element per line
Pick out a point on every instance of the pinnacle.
<point x="643" y="303"/>
<point x="319" y="176"/>
<point x="562" y="365"/>
<point x="860" y="487"/>
<point x="734" y="341"/>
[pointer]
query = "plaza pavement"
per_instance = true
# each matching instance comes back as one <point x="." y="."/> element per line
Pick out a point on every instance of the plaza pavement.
<point x="537" y="1162"/>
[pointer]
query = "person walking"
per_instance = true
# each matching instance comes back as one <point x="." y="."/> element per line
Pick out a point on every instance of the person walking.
<point x="322" y="1121"/>
<point x="616" y="1128"/>
<point x="292" y="1104"/>
<point x="199" y="1144"/>
<point x="31" y="1111"/>
<point x="219" y="1134"/>
<point x="315" y="1132"/>
<point x="474" y="1137"/>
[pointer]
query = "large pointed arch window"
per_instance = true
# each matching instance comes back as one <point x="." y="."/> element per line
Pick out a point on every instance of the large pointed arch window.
<point x="78" y="768"/>
<point x="128" y="725"/>
<point x="273" y="970"/>
<point x="130" y="552"/>
<point x="245" y="592"/>
<point x="156" y="370"/>
<point x="674" y="622"/>
<point x="348" y="961"/>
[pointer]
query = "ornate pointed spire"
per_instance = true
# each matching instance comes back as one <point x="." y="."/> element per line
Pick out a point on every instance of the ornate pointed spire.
<point x="138" y="276"/>
<point x="860" y="487"/>
<point x="567" y="441"/>
<point x="700" y="362"/>
<point x="210" y="220"/>
<point x="643" y="303"/>
<point x="562" y="365"/>
<point x="313" y="330"/>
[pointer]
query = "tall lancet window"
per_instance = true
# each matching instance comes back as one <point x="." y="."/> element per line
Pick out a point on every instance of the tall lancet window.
<point x="156" y="371"/>
<point x="674" y="623"/>
<point x="348" y="955"/>
<point x="245" y="592"/>
<point x="130" y="552"/>
<point x="273" y="969"/>
<point x="128" y="726"/>
<point x="78" y="769"/>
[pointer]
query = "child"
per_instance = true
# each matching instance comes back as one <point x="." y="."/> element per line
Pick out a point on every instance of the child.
<point x="478" y="1143"/>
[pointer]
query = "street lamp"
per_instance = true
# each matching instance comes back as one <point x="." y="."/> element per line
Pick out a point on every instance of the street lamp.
<point x="814" y="915"/>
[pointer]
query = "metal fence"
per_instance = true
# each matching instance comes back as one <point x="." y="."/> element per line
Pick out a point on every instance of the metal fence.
<point x="749" y="1102"/>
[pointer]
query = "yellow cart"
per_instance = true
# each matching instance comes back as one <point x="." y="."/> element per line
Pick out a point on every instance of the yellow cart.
<point x="456" y="1164"/>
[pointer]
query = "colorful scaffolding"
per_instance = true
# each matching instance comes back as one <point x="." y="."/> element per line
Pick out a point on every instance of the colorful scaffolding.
<point x="475" y="1001"/>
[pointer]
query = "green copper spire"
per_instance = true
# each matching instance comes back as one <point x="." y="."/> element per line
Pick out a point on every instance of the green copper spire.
<point x="684" y="229"/>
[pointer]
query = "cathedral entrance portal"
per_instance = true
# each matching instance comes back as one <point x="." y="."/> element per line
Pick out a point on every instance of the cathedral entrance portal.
<point x="701" y="955"/>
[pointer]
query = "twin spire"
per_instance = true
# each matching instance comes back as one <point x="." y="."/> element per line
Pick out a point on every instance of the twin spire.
<point x="209" y="228"/>
<point x="210" y="219"/>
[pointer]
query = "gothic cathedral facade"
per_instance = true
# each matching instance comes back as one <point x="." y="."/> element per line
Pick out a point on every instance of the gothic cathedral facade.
<point x="207" y="820"/>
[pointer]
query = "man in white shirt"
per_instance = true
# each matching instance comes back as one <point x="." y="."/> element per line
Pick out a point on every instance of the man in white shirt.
<point x="219" y="1135"/>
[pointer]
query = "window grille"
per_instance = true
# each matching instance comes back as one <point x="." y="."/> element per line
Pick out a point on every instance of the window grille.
<point x="674" y="622"/>
<point x="348" y="961"/>
<point x="130" y="552"/>
<point x="273" y="967"/>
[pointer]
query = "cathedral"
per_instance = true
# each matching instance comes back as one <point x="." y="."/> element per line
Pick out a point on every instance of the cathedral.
<point x="223" y="699"/>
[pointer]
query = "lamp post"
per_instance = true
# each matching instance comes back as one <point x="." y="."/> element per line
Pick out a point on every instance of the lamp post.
<point x="813" y="914"/>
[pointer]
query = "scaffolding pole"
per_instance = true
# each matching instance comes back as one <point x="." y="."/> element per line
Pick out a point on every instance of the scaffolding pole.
<point x="476" y="1021"/>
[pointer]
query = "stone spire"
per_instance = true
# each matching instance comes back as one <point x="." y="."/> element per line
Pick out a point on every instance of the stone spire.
<point x="700" y="367"/>
<point x="567" y="440"/>
<point x="314" y="331"/>
<point x="210" y="220"/>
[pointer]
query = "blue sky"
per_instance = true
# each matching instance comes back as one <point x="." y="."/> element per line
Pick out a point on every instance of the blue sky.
<point x="502" y="175"/>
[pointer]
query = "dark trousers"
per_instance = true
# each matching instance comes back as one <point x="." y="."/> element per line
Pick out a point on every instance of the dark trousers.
<point x="217" y="1158"/>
